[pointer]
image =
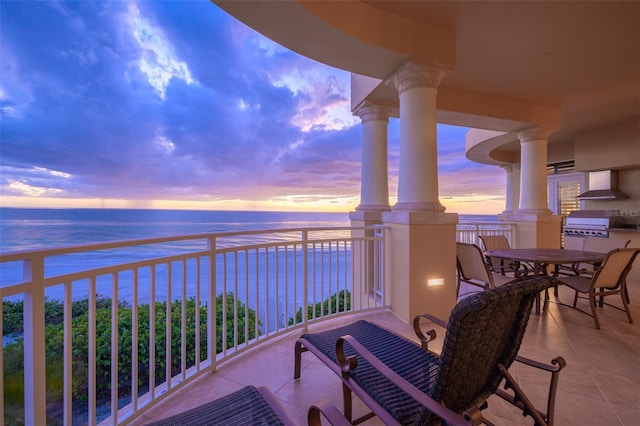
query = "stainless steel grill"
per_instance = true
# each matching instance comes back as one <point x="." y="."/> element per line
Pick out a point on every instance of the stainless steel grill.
<point x="590" y="223"/>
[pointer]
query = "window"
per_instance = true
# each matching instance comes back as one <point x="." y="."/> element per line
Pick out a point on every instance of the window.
<point x="563" y="189"/>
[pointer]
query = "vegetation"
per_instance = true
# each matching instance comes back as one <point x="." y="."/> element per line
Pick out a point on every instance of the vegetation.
<point x="13" y="352"/>
<point x="54" y="341"/>
<point x="337" y="302"/>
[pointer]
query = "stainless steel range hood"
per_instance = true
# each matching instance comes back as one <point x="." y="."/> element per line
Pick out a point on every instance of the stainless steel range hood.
<point x="603" y="185"/>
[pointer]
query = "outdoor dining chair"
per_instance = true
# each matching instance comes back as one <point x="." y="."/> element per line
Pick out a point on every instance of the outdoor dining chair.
<point x="598" y="245"/>
<point x="473" y="270"/>
<point x="247" y="407"/>
<point x="500" y="242"/>
<point x="405" y="383"/>
<point x="609" y="279"/>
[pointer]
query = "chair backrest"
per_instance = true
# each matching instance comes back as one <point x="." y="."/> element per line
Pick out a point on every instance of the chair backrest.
<point x="574" y="243"/>
<point x="603" y="245"/>
<point x="484" y="329"/>
<point x="615" y="268"/>
<point x="470" y="262"/>
<point x="494" y="242"/>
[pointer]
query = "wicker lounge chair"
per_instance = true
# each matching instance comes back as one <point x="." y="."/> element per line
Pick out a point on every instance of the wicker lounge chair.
<point x="405" y="383"/>
<point x="609" y="279"/>
<point x="246" y="407"/>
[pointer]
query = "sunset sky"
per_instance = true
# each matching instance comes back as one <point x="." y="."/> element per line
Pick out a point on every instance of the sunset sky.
<point x="161" y="104"/>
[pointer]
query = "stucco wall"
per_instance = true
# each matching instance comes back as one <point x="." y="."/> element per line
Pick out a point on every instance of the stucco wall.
<point x="618" y="148"/>
<point x="613" y="147"/>
<point x="629" y="183"/>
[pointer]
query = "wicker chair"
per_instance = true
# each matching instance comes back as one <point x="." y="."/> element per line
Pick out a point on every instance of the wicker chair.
<point x="472" y="269"/>
<point x="405" y="383"/>
<point x="247" y="407"/>
<point x="609" y="279"/>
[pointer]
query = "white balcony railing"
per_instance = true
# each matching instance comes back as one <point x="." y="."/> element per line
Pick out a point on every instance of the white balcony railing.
<point x="116" y="354"/>
<point x="468" y="232"/>
<point x="109" y="359"/>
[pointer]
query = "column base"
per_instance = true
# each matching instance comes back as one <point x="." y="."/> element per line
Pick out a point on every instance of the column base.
<point x="541" y="231"/>
<point x="420" y="217"/>
<point x="373" y="207"/>
<point x="368" y="217"/>
<point x="425" y="206"/>
<point x="422" y="259"/>
<point x="532" y="212"/>
<point x="506" y="216"/>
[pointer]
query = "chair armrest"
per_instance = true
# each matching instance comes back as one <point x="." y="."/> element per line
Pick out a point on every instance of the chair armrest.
<point x="519" y="397"/>
<point x="518" y="268"/>
<point x="556" y="365"/>
<point x="430" y="334"/>
<point x="329" y="411"/>
<point x="472" y="416"/>
<point x="527" y="269"/>
<point x="570" y="270"/>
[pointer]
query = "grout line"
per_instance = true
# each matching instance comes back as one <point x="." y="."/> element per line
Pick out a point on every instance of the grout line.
<point x="588" y="369"/>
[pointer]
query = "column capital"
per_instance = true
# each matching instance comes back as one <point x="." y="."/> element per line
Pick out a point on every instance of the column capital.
<point x="534" y="134"/>
<point x="411" y="75"/>
<point x="369" y="111"/>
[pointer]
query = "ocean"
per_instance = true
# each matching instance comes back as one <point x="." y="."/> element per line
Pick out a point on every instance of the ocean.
<point x="29" y="229"/>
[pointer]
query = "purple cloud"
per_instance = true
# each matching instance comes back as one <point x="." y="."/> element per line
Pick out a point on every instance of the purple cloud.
<point x="174" y="100"/>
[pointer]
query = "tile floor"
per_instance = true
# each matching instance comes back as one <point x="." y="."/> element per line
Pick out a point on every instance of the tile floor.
<point x="600" y="385"/>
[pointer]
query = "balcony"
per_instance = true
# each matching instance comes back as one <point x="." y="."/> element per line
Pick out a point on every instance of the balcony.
<point x="278" y="283"/>
<point x="598" y="387"/>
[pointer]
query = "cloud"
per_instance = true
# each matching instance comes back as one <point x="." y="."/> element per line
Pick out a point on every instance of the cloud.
<point x="175" y="101"/>
<point x="156" y="98"/>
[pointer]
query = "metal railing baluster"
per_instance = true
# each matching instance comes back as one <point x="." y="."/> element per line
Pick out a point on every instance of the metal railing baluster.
<point x="295" y="270"/>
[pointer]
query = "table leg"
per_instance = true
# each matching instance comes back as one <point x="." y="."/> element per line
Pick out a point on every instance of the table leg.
<point x="536" y="272"/>
<point x="601" y="299"/>
<point x="626" y="293"/>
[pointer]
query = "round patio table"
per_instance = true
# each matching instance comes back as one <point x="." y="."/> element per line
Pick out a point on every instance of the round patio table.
<point x="543" y="257"/>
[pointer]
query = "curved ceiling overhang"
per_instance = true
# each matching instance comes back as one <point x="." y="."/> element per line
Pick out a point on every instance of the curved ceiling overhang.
<point x="511" y="65"/>
<point x="418" y="41"/>
<point x="307" y="24"/>
<point x="492" y="148"/>
<point x="501" y="113"/>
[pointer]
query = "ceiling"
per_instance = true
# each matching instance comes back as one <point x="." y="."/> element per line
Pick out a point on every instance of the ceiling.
<point x="580" y="59"/>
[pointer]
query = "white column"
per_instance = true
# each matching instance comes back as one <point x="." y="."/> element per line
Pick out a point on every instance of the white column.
<point x="533" y="173"/>
<point x="512" y="190"/>
<point x="421" y="243"/>
<point x="418" y="169"/>
<point x="374" y="185"/>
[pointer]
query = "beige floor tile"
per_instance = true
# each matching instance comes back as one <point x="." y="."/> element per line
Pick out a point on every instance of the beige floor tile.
<point x="628" y="416"/>
<point x="620" y="390"/>
<point x="578" y="410"/>
<point x="600" y="385"/>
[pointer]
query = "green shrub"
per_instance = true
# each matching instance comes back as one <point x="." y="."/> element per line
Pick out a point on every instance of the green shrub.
<point x="322" y="308"/>
<point x="54" y="342"/>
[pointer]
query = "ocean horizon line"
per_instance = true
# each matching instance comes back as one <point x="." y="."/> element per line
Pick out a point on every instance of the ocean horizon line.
<point x="36" y="228"/>
<point x="208" y="210"/>
<point x="176" y="209"/>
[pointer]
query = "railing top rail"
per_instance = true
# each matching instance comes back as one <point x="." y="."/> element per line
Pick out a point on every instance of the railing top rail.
<point x="55" y="251"/>
<point x="294" y="243"/>
<point x="487" y="223"/>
